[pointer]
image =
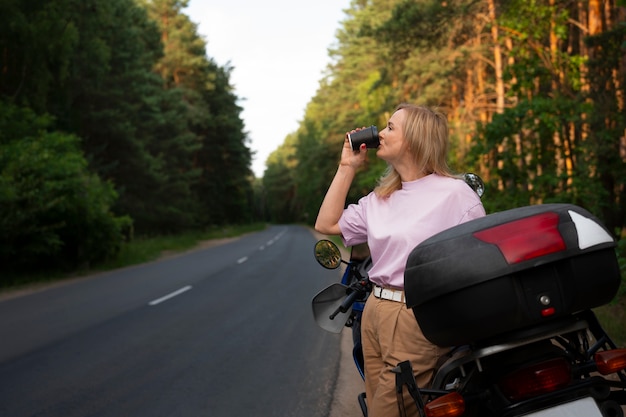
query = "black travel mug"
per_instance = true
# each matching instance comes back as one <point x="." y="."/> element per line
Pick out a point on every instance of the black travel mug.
<point x="368" y="136"/>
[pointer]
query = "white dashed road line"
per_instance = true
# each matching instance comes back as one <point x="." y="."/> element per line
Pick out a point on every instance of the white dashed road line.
<point x="170" y="295"/>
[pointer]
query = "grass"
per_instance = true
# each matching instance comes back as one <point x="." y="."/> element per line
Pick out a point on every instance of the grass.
<point x="137" y="251"/>
<point x="612" y="317"/>
<point x="149" y="249"/>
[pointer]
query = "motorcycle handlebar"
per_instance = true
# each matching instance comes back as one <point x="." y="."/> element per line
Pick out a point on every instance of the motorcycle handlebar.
<point x="345" y="305"/>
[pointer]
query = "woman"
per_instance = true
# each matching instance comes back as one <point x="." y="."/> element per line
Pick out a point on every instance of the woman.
<point x="417" y="197"/>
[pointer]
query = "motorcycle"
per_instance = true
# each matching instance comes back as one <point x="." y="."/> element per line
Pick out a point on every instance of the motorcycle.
<point x="512" y="295"/>
<point x="341" y="304"/>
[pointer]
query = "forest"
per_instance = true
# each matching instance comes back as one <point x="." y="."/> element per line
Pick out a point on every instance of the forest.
<point x="534" y="91"/>
<point x="115" y="123"/>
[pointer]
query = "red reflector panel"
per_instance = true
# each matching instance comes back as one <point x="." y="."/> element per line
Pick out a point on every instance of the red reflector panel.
<point x="525" y="239"/>
<point x="537" y="379"/>
<point x="610" y="361"/>
<point x="449" y="405"/>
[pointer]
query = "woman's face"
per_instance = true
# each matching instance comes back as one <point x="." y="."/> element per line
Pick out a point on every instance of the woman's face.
<point x="393" y="146"/>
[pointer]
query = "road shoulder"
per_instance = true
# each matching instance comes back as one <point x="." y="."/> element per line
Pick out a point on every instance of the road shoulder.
<point x="349" y="383"/>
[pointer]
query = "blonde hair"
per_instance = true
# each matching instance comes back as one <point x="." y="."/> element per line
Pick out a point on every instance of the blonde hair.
<point x="426" y="131"/>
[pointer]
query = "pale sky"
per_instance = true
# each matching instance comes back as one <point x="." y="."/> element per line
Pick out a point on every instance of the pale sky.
<point x="279" y="50"/>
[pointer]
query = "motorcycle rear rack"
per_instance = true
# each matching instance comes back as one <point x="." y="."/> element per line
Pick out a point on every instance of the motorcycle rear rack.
<point x="463" y="355"/>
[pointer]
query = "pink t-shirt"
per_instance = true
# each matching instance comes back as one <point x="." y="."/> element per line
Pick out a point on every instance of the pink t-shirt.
<point x="393" y="226"/>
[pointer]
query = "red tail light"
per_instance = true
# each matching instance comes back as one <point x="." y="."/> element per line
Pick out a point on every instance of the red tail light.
<point x="527" y="238"/>
<point x="537" y="379"/>
<point x="449" y="405"/>
<point x="611" y="361"/>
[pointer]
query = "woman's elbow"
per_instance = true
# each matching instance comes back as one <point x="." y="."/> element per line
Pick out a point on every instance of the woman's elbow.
<point x="319" y="227"/>
<point x="327" y="229"/>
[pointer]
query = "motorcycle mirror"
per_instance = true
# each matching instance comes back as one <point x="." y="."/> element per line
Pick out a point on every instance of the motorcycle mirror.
<point x="327" y="254"/>
<point x="474" y="181"/>
<point x="325" y="305"/>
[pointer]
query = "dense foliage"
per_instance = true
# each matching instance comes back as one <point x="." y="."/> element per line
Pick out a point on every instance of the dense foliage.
<point x="52" y="208"/>
<point x="534" y="92"/>
<point x="113" y="122"/>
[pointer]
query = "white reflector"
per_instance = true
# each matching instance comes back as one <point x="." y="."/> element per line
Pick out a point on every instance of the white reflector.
<point x="589" y="232"/>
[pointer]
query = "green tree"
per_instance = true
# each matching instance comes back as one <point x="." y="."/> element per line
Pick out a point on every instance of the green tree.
<point x="53" y="211"/>
<point x="214" y="117"/>
<point x="533" y="91"/>
<point x="135" y="132"/>
<point x="606" y="139"/>
<point x="37" y="43"/>
<point x="225" y="186"/>
<point x="90" y="65"/>
<point x="561" y="139"/>
<point x="279" y="184"/>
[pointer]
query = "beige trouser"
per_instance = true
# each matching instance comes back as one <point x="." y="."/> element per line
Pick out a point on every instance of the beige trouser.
<point x="390" y="335"/>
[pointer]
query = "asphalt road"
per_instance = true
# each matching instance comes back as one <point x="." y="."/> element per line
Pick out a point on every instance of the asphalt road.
<point x="224" y="331"/>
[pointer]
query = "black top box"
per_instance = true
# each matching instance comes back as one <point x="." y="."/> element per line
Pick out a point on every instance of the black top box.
<point x="508" y="271"/>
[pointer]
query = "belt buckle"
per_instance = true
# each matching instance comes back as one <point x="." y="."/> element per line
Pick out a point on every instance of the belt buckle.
<point x="386" y="294"/>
